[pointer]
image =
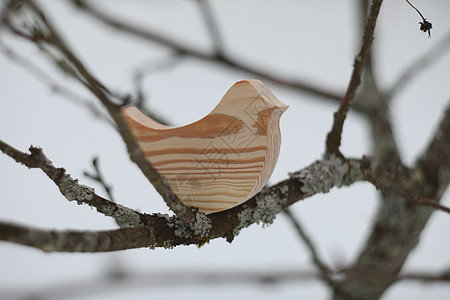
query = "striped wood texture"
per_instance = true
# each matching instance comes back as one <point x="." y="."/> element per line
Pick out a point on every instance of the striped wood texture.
<point x="224" y="158"/>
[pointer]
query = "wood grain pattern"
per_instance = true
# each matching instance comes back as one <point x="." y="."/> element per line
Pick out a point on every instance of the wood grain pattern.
<point x="223" y="159"/>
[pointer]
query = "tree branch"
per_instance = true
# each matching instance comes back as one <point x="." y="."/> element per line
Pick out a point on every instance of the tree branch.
<point x="212" y="27"/>
<point x="399" y="223"/>
<point x="334" y="136"/>
<point x="78" y="241"/>
<point x="50" y="36"/>
<point x="374" y="105"/>
<point x="161" y="230"/>
<point x="70" y="188"/>
<point x="52" y="84"/>
<point x="318" y="262"/>
<point x="145" y="69"/>
<point x="434" y="164"/>
<point x="98" y="177"/>
<point x="122" y="278"/>
<point x="222" y="58"/>
<point x="390" y="188"/>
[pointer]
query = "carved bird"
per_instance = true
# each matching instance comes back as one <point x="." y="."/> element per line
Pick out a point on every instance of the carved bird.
<point x="224" y="158"/>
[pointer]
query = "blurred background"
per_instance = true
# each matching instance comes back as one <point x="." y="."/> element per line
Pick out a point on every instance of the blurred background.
<point x="309" y="41"/>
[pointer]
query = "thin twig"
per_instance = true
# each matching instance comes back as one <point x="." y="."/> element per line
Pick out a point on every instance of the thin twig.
<point x="371" y="274"/>
<point x="334" y="136"/>
<point x="52" y="84"/>
<point x="149" y="68"/>
<point x="211" y="26"/>
<point x="148" y="35"/>
<point x="416" y="10"/>
<point x="426" y="277"/>
<point x="425" y="26"/>
<point x="71" y="189"/>
<point x="323" y="268"/>
<point x="98" y="176"/>
<point x="190" y="216"/>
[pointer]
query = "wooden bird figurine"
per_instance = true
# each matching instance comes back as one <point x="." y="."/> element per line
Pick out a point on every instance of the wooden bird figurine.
<point x="224" y="158"/>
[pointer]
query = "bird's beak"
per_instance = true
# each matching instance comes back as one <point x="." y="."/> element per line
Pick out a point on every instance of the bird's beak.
<point x="282" y="108"/>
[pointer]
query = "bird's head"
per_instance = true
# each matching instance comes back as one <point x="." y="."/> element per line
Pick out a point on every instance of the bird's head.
<point x="252" y="102"/>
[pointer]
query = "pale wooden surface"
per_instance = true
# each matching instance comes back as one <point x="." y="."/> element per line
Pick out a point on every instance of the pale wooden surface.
<point x="223" y="159"/>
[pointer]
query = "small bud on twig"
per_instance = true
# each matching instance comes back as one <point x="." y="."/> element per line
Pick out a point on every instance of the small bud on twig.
<point x="425" y="26"/>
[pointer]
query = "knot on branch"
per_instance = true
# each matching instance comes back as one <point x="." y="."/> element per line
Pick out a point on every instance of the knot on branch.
<point x="38" y="157"/>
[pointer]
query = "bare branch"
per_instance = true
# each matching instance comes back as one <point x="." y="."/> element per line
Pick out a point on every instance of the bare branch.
<point x="399" y="223"/>
<point x="146" y="69"/>
<point x="435" y="162"/>
<point x="397" y="227"/>
<point x="49" y="35"/>
<point x="71" y="189"/>
<point x="334" y="136"/>
<point x="161" y="230"/>
<point x="98" y="177"/>
<point x="374" y="105"/>
<point x="384" y="144"/>
<point x="318" y="262"/>
<point x="211" y="25"/>
<point x="371" y="274"/>
<point x="52" y="84"/>
<point x="416" y="10"/>
<point x="123" y="279"/>
<point x="426" y="277"/>
<point x="79" y="241"/>
<point x="155" y="279"/>
<point x="176" y="46"/>
<point x="425" y="26"/>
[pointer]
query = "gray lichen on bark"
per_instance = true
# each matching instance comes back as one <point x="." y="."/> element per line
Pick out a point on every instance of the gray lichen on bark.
<point x="202" y="225"/>
<point x="180" y="228"/>
<point x="73" y="190"/>
<point x="126" y="217"/>
<point x="323" y="175"/>
<point x="268" y="205"/>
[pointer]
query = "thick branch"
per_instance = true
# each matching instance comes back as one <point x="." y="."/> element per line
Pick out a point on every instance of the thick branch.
<point x="399" y="223"/>
<point x="77" y="241"/>
<point x="435" y="162"/>
<point x="164" y="231"/>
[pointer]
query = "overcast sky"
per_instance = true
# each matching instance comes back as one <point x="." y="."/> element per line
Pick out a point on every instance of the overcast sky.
<point x="309" y="40"/>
